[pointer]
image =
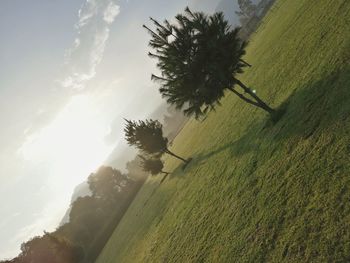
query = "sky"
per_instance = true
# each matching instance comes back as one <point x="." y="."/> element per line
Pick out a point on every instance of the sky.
<point x="70" y="71"/>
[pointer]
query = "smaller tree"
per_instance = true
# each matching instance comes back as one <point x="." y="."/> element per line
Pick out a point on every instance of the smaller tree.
<point x="148" y="137"/>
<point x="153" y="165"/>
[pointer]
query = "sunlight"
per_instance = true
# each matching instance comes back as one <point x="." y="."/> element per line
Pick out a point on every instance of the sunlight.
<point x="73" y="144"/>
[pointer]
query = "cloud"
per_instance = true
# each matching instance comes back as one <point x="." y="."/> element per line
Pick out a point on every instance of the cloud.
<point x="110" y="13"/>
<point x="93" y="30"/>
<point x="9" y="218"/>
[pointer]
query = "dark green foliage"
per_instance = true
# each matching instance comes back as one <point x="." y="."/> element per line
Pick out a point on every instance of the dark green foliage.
<point x="199" y="57"/>
<point x="152" y="165"/>
<point x="147" y="136"/>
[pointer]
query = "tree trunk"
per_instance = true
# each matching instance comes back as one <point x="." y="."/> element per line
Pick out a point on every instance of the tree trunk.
<point x="257" y="101"/>
<point x="165" y="176"/>
<point x="176" y="156"/>
<point x="245" y="63"/>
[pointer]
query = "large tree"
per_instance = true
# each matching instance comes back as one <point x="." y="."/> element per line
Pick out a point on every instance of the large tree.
<point x="148" y="137"/>
<point x="199" y="57"/>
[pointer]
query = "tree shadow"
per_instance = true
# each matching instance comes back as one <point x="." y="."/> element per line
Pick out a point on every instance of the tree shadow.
<point x="305" y="113"/>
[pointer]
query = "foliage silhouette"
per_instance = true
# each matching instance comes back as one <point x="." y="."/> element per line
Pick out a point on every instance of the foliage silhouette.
<point x="199" y="57"/>
<point x="153" y="165"/>
<point x="49" y="248"/>
<point x="107" y="183"/>
<point x="148" y="137"/>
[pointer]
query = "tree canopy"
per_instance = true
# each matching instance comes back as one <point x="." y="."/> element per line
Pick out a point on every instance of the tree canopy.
<point x="107" y="182"/>
<point x="152" y="165"/>
<point x="199" y="57"/>
<point x="147" y="136"/>
<point x="91" y="221"/>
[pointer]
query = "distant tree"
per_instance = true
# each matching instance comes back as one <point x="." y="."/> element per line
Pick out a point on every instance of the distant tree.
<point x="14" y="260"/>
<point x="92" y="220"/>
<point x="107" y="183"/>
<point x="249" y="16"/>
<point x="153" y="165"/>
<point x="148" y="137"/>
<point x="135" y="170"/>
<point x="173" y="122"/>
<point x="199" y="57"/>
<point x="247" y="8"/>
<point x="86" y="216"/>
<point x="49" y="248"/>
<point x="65" y="250"/>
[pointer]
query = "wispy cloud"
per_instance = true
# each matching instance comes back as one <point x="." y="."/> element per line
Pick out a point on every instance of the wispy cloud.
<point x="93" y="29"/>
<point x="110" y="13"/>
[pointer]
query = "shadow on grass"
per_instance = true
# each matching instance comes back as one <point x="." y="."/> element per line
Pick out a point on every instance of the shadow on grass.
<point x="178" y="171"/>
<point x="309" y="110"/>
<point x="189" y="160"/>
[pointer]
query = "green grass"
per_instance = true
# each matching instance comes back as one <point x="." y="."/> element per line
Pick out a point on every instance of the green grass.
<point x="257" y="191"/>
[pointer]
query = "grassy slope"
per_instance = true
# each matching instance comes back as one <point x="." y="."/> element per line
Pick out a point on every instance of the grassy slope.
<point x="257" y="192"/>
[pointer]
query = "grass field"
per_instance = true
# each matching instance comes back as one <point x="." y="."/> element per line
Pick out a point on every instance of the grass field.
<point x="257" y="191"/>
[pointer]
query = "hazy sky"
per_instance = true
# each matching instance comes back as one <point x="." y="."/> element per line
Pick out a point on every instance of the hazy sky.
<point x="70" y="70"/>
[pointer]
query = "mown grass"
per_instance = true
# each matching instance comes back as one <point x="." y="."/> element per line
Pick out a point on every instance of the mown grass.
<point x="258" y="191"/>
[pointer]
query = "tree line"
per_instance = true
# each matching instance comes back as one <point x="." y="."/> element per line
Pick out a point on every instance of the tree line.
<point x="250" y="15"/>
<point x="92" y="220"/>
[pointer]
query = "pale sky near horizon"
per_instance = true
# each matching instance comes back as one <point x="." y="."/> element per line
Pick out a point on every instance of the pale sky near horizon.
<point x="70" y="70"/>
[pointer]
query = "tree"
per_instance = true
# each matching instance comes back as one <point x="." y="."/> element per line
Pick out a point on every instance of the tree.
<point x="173" y="122"/>
<point x="199" y="57"/>
<point x="135" y="171"/>
<point x="248" y="9"/>
<point x="65" y="250"/>
<point x="107" y="183"/>
<point x="86" y="216"/>
<point x="148" y="137"/>
<point x="153" y="165"/>
<point x="49" y="248"/>
<point x="14" y="260"/>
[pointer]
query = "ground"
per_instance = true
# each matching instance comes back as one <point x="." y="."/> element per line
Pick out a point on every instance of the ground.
<point x="258" y="191"/>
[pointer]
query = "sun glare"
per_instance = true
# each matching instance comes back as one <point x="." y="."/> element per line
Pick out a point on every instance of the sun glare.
<point x="73" y="144"/>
